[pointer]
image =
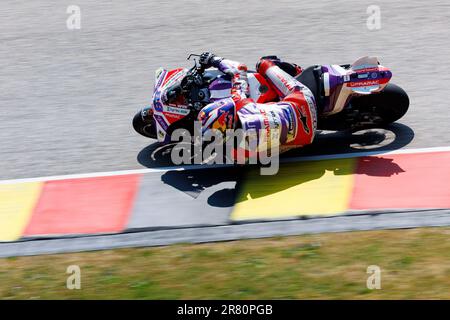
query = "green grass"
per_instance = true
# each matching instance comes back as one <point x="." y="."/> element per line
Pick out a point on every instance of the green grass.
<point x="415" y="264"/>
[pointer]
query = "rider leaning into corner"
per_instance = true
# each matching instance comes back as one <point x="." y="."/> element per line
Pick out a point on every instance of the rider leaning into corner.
<point x="294" y="116"/>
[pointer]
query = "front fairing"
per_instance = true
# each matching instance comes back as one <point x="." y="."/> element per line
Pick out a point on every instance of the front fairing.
<point x="166" y="114"/>
<point x="219" y="87"/>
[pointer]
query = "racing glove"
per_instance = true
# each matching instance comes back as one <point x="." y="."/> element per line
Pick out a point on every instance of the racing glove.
<point x="208" y="59"/>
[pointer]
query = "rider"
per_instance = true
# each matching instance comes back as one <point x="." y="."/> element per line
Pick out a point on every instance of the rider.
<point x="295" y="115"/>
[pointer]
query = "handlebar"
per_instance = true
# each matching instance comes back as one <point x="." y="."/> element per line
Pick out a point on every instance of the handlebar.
<point x="193" y="87"/>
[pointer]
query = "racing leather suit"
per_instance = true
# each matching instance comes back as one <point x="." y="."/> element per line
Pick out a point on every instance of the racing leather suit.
<point x="293" y="117"/>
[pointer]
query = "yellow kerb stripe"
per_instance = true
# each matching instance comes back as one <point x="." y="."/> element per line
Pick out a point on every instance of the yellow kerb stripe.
<point x="17" y="202"/>
<point x="304" y="188"/>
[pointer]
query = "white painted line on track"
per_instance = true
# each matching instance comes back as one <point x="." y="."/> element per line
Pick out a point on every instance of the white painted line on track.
<point x="214" y="166"/>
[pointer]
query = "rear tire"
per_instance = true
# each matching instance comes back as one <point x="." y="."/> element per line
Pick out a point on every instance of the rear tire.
<point x="390" y="104"/>
<point x="370" y="111"/>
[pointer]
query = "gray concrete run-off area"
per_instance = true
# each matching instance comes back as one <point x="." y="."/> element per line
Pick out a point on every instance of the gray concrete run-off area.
<point x="67" y="97"/>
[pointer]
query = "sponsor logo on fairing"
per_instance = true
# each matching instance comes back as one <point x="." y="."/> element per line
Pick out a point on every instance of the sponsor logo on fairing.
<point x="161" y="122"/>
<point x="364" y="83"/>
<point x="157" y="103"/>
<point x="160" y="75"/>
<point x="177" y="110"/>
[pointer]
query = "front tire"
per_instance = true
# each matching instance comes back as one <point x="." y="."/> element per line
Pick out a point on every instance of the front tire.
<point x="145" y="127"/>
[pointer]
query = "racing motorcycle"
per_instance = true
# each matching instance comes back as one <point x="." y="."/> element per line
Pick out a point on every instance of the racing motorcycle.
<point x="348" y="97"/>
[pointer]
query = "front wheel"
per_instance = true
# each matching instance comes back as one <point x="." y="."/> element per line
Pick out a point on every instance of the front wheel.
<point x="145" y="126"/>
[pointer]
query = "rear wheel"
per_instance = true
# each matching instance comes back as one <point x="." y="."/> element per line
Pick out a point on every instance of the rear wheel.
<point x="389" y="105"/>
<point x="369" y="111"/>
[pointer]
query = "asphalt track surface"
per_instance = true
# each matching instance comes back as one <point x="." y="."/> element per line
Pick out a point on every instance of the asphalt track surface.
<point x="67" y="97"/>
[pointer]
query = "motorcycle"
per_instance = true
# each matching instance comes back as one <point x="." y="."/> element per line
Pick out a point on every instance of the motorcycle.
<point x="348" y="97"/>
